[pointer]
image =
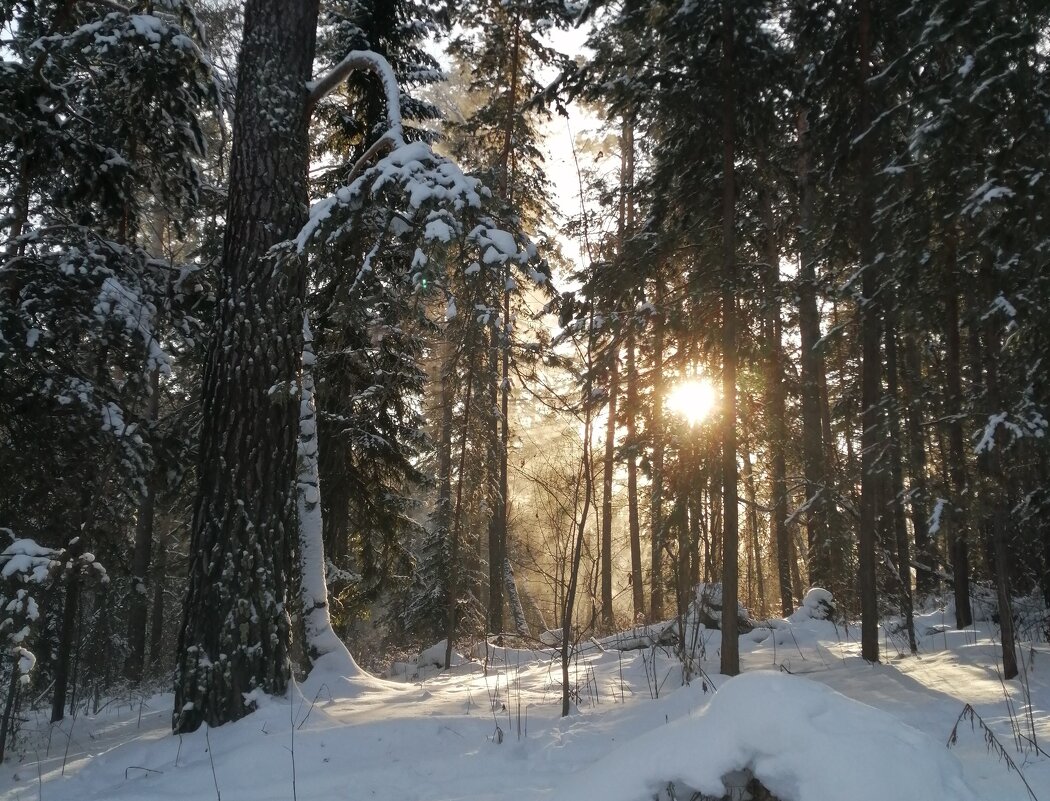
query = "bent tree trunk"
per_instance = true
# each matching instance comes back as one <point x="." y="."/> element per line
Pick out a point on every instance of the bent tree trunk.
<point x="235" y="629"/>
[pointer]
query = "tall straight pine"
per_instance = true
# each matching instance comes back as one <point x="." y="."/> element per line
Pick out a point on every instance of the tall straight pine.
<point x="235" y="629"/>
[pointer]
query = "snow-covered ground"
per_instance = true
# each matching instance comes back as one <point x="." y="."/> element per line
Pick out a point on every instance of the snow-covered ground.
<point x="811" y="719"/>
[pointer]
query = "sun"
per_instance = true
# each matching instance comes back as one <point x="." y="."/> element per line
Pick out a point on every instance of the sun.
<point x="695" y="400"/>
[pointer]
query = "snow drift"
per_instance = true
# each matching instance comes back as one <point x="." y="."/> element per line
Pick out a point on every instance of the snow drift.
<point x="802" y="740"/>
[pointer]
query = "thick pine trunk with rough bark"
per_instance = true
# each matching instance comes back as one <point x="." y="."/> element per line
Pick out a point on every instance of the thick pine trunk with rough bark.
<point x="235" y="631"/>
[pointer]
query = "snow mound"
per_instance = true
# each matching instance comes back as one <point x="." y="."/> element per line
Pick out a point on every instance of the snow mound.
<point x="336" y="675"/>
<point x="434" y="656"/>
<point x="802" y="740"/>
<point x="707" y="605"/>
<point x="818" y="604"/>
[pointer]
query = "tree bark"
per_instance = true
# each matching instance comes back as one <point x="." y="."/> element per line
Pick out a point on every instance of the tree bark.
<point x="453" y="562"/>
<point x="67" y="634"/>
<point x="896" y="479"/>
<point x="656" y="500"/>
<point x="958" y="549"/>
<point x="443" y="507"/>
<point x="755" y="583"/>
<point x="607" y="491"/>
<point x="141" y="558"/>
<point x="917" y="491"/>
<point x="587" y="479"/>
<point x="776" y="413"/>
<point x="871" y="364"/>
<point x="498" y="527"/>
<point x="812" y="367"/>
<point x="156" y="626"/>
<point x="633" y="521"/>
<point x="730" y="663"/>
<point x="235" y="631"/>
<point x="995" y="504"/>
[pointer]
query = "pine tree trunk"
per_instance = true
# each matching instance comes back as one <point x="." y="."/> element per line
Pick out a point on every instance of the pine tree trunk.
<point x="496" y="463"/>
<point x="871" y="358"/>
<point x="730" y="663"/>
<point x="776" y="414"/>
<point x="995" y="504"/>
<point x="607" y="491"/>
<point x="756" y="586"/>
<point x="812" y="367"/>
<point x="633" y="521"/>
<point x="156" y="624"/>
<point x="443" y="507"/>
<point x="6" y="727"/>
<point x="631" y="411"/>
<point x="140" y="559"/>
<point x="235" y="633"/>
<point x="696" y="491"/>
<point x="958" y="549"/>
<point x="656" y="522"/>
<point x="498" y="526"/>
<point x="454" y="568"/>
<point x="896" y="478"/>
<point x="917" y="491"/>
<point x="67" y="634"/>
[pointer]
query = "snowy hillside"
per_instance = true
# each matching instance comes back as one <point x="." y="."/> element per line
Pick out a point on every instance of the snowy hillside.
<point x="808" y="717"/>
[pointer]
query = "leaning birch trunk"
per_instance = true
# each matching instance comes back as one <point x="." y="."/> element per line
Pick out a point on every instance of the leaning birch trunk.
<point x="321" y="639"/>
<point x="517" y="611"/>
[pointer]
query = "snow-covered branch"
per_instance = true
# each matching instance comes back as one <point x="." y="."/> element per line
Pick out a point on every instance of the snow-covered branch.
<point x="367" y="61"/>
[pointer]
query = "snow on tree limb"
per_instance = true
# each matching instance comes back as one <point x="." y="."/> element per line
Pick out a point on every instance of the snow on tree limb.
<point x="365" y="61"/>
